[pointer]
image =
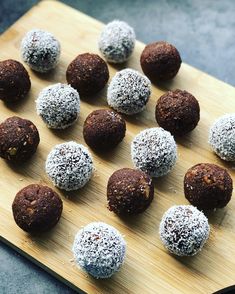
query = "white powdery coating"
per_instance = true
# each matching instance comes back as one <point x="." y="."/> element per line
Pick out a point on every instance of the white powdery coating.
<point x="154" y="151"/>
<point x="99" y="249"/>
<point x="184" y="230"/>
<point x="58" y="105"/>
<point x="222" y="137"/>
<point x="117" y="41"/>
<point x="40" y="50"/>
<point x="69" y="165"/>
<point x="128" y="91"/>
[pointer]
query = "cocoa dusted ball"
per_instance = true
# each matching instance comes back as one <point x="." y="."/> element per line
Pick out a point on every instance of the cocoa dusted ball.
<point x="88" y="73"/>
<point x="129" y="191"/>
<point x="208" y="186"/>
<point x="14" y="81"/>
<point x="37" y="208"/>
<point x="104" y="129"/>
<point x="19" y="139"/>
<point x="160" y="61"/>
<point x="177" y="112"/>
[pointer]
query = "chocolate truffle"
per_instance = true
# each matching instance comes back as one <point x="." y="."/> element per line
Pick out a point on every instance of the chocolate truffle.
<point x="58" y="105"/>
<point x="40" y="50"/>
<point x="177" y="112"/>
<point x="129" y="191"/>
<point x="222" y="137"/>
<point x="88" y="73"/>
<point x="154" y="151"/>
<point x="160" y="61"/>
<point x="14" y="81"/>
<point x="104" y="129"/>
<point x="208" y="186"/>
<point x="117" y="41"/>
<point x="99" y="249"/>
<point x="19" y="139"/>
<point x="128" y="91"/>
<point x="69" y="165"/>
<point x="184" y="230"/>
<point x="37" y="208"/>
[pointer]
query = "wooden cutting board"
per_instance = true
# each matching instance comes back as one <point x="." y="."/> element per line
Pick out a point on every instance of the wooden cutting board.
<point x="148" y="268"/>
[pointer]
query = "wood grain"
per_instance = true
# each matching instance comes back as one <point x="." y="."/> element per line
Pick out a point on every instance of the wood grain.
<point x="148" y="267"/>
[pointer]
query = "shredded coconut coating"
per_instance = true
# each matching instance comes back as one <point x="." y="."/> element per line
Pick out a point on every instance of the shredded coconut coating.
<point x="58" y="105"/>
<point x="154" y="151"/>
<point x="128" y="91"/>
<point x="117" y="41"/>
<point x="99" y="249"/>
<point x="40" y="50"/>
<point x="222" y="137"/>
<point x="184" y="230"/>
<point x="69" y="165"/>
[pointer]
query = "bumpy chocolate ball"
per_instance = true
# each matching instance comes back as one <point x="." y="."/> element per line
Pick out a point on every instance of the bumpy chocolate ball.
<point x="14" y="81"/>
<point x="19" y="139"/>
<point x="160" y="61"/>
<point x="208" y="186"/>
<point x="104" y="129"/>
<point x="129" y="191"/>
<point x="177" y="112"/>
<point x="88" y="73"/>
<point x="37" y="208"/>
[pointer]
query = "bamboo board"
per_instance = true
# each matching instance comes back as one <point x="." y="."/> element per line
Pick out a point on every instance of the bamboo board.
<point x="148" y="267"/>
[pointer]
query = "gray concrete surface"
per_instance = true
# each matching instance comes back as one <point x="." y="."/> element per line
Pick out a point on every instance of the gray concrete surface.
<point x="204" y="33"/>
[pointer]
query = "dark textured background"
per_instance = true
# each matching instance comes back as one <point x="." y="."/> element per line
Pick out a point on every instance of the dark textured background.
<point x="204" y="33"/>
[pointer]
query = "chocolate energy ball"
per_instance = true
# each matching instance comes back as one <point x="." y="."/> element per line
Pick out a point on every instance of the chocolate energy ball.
<point x="222" y="137"/>
<point x="208" y="186"/>
<point x="104" y="129"/>
<point x="117" y="41"/>
<point x="129" y="191"/>
<point x="177" y="112"/>
<point x="19" y="139"/>
<point x="40" y="50"/>
<point x="184" y="230"/>
<point x="37" y="208"/>
<point x="88" y="73"/>
<point x="14" y="81"/>
<point x="99" y="249"/>
<point x="160" y="61"/>
<point x="58" y="105"/>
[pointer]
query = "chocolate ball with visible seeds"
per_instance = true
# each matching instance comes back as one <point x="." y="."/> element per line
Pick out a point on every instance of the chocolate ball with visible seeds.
<point x="177" y="112"/>
<point x="104" y="129"/>
<point x="160" y="61"/>
<point x="37" y="208"/>
<point x="129" y="191"/>
<point x="19" y="139"/>
<point x="208" y="186"/>
<point x="14" y="81"/>
<point x="88" y="73"/>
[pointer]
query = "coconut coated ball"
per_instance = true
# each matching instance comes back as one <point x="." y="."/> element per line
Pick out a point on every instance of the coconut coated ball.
<point x="69" y="166"/>
<point x="99" y="249"/>
<point x="117" y="41"/>
<point x="40" y="50"/>
<point x="37" y="208"/>
<point x="19" y="139"/>
<point x="160" y="61"/>
<point x="184" y="230"/>
<point x="208" y="186"/>
<point x="14" y="81"/>
<point x="58" y="105"/>
<point x="128" y="91"/>
<point x="88" y="73"/>
<point x="222" y="137"/>
<point x="177" y="112"/>
<point x="129" y="191"/>
<point x="154" y="151"/>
